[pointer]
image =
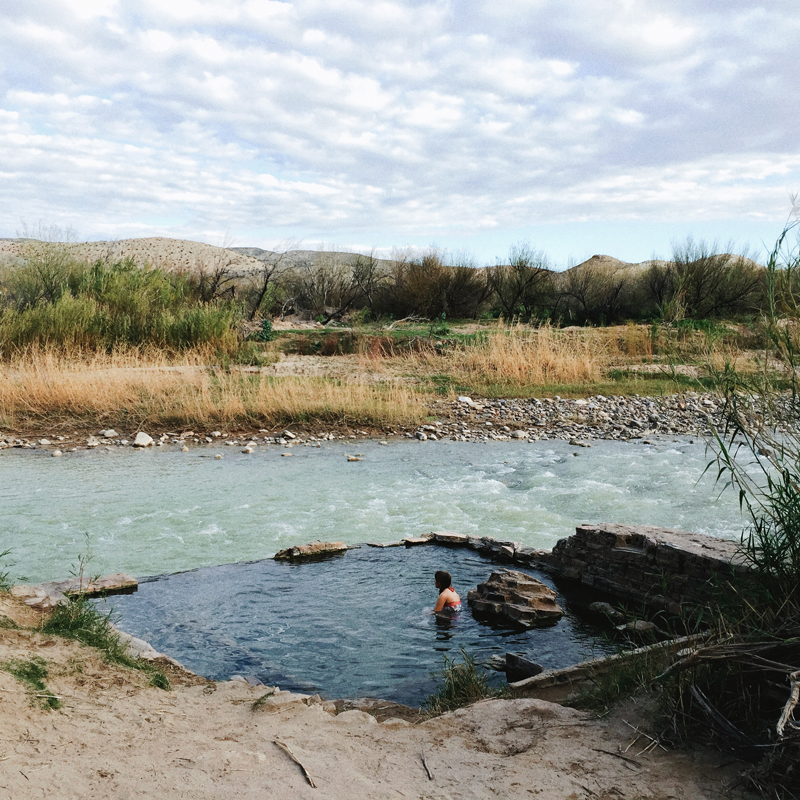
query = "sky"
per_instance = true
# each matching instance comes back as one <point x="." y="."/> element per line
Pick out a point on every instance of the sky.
<point x="579" y="126"/>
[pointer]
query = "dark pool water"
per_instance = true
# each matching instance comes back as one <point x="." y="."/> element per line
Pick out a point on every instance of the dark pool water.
<point x="354" y="625"/>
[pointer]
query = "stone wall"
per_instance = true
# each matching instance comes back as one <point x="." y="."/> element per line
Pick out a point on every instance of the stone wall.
<point x="658" y="567"/>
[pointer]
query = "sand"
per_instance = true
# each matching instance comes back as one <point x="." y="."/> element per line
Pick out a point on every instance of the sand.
<point x="117" y="737"/>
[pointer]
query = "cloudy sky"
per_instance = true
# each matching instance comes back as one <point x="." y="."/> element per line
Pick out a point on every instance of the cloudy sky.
<point x="583" y="126"/>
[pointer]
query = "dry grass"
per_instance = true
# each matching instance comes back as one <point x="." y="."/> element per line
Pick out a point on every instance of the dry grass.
<point x="134" y="389"/>
<point x="517" y="357"/>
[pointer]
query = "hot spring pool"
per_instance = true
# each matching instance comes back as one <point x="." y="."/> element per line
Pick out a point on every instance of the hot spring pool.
<point x="353" y="625"/>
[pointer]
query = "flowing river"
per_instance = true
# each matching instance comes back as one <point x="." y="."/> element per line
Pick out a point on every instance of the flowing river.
<point x="161" y="510"/>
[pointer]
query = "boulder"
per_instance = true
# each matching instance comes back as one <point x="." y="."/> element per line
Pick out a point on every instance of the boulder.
<point x="518" y="667"/>
<point x="313" y="550"/>
<point x="515" y="598"/>
<point x="143" y="440"/>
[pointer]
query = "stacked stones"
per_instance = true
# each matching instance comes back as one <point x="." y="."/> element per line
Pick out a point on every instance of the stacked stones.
<point x="516" y="598"/>
<point x="657" y="567"/>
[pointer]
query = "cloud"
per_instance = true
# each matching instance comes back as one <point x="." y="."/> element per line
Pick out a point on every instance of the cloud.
<point x="306" y="118"/>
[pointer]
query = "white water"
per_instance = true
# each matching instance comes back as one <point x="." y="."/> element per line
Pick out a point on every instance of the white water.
<point x="161" y="510"/>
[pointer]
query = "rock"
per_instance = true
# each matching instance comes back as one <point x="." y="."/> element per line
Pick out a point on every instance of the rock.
<point x="518" y="667"/>
<point x="44" y="441"/>
<point x="607" y="610"/>
<point x="576" y="443"/>
<point x="464" y="399"/>
<point x="450" y="537"/>
<point x="354" y="458"/>
<point x="638" y="626"/>
<point x="313" y="550"/>
<point x="57" y="453"/>
<point x="519" y="435"/>
<point x="218" y="457"/>
<point x="184" y="449"/>
<point x="409" y="541"/>
<point x="92" y="442"/>
<point x="421" y="435"/>
<point x="117" y="583"/>
<point x="248" y="450"/>
<point x="285" y="455"/>
<point x="288" y="435"/>
<point x="143" y="440"/>
<point x="516" y="598"/>
<point x="216" y="434"/>
<point x="109" y="434"/>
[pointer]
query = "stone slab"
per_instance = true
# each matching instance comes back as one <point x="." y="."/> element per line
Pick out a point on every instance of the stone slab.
<point x="313" y="550"/>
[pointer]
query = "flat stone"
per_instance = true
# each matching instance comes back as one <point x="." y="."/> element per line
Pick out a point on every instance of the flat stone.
<point x="313" y="550"/>
<point x="108" y="584"/>
<point x="450" y="537"/>
<point x="408" y="541"/>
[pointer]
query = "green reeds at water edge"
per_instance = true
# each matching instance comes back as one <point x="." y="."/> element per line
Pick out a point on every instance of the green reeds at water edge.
<point x="464" y="682"/>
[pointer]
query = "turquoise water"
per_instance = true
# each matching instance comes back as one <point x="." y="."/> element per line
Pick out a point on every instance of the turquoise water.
<point x="162" y="510"/>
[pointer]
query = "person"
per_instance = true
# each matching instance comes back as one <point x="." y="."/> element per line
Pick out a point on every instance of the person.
<point x="448" y="601"/>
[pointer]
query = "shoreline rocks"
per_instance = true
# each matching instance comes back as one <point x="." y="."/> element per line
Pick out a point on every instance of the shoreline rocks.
<point x="465" y="419"/>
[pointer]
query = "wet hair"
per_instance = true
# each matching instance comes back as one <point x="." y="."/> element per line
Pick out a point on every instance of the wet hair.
<point x="443" y="580"/>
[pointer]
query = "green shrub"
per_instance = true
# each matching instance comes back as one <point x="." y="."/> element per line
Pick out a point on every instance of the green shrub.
<point x="107" y="304"/>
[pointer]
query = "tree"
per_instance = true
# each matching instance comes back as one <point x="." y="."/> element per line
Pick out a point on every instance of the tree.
<point x="521" y="285"/>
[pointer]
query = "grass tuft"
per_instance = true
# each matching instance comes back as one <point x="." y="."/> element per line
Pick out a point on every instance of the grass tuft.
<point x="33" y="673"/>
<point x="81" y="621"/>
<point x="464" y="683"/>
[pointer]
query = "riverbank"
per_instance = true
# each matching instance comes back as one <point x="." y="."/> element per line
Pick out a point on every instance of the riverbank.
<point x="462" y="419"/>
<point x="115" y="736"/>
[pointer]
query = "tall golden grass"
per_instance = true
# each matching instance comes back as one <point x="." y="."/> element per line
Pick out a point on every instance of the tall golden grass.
<point x="134" y="388"/>
<point x="518" y="357"/>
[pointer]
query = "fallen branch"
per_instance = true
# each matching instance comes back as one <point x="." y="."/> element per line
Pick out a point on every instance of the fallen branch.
<point x="618" y="755"/>
<point x="425" y="764"/>
<point x="288" y="751"/>
<point x="791" y="704"/>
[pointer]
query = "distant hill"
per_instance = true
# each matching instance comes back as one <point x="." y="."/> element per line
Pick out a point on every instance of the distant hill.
<point x="184" y="256"/>
<point x="174" y="255"/>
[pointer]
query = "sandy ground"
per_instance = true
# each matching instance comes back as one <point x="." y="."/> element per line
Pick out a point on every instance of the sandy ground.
<point x="116" y="737"/>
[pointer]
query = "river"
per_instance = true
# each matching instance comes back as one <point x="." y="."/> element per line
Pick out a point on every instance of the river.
<point x="161" y="510"/>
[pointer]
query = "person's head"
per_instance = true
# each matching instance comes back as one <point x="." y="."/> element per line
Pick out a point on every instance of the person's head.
<point x="443" y="580"/>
